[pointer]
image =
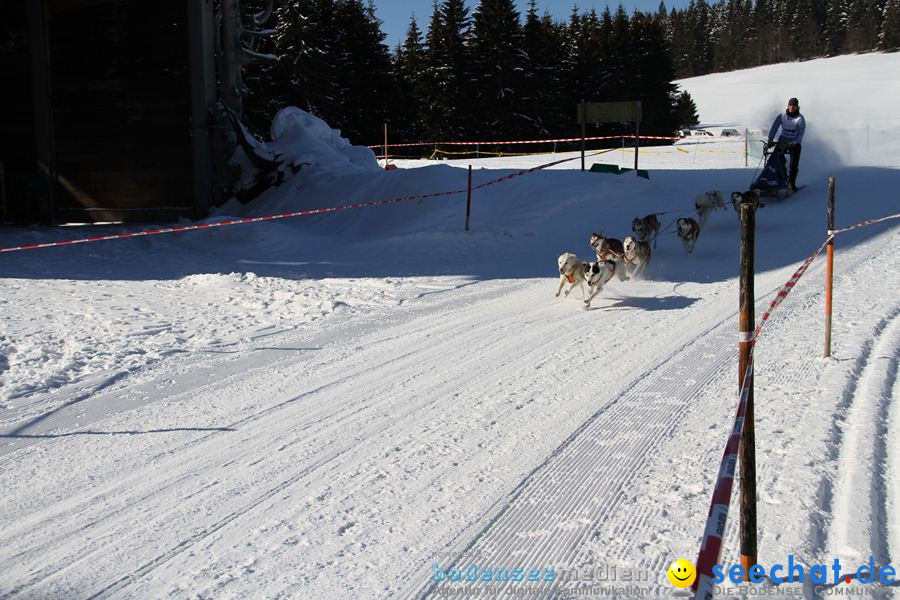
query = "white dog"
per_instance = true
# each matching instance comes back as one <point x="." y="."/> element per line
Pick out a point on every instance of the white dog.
<point x="688" y="231"/>
<point x="637" y="254"/>
<point x="576" y="272"/>
<point x="571" y="270"/>
<point x="706" y="203"/>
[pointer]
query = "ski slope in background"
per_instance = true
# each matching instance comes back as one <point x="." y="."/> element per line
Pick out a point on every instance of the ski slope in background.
<point x="329" y="406"/>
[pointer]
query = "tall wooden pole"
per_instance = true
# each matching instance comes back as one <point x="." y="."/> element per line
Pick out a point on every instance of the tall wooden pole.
<point x="385" y="146"/>
<point x="637" y="142"/>
<point x="583" y="111"/>
<point x="829" y="271"/>
<point x="469" y="199"/>
<point x="748" y="439"/>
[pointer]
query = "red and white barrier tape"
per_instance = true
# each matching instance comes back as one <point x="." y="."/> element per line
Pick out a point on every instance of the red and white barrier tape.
<point x="498" y="143"/>
<point x="711" y="546"/>
<point x="119" y="236"/>
<point x="864" y="223"/>
<point x="787" y="287"/>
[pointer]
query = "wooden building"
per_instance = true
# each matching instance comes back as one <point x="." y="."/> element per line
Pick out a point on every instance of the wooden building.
<point x="105" y="108"/>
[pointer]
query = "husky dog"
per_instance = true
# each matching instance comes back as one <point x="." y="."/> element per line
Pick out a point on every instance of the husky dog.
<point x="571" y="270"/>
<point x="738" y="197"/>
<point x="597" y="274"/>
<point x="688" y="231"/>
<point x="607" y="248"/>
<point x="706" y="204"/>
<point x="647" y="228"/>
<point x="637" y="253"/>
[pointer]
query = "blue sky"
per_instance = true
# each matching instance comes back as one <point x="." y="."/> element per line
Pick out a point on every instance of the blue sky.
<point x="395" y="14"/>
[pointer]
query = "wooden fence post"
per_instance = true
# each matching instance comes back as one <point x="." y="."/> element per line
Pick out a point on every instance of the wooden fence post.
<point x="385" y="146"/>
<point x="469" y="199"/>
<point x="829" y="271"/>
<point x="748" y="439"/>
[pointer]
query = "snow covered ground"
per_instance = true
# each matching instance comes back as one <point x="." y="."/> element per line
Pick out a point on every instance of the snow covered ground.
<point x="329" y="406"/>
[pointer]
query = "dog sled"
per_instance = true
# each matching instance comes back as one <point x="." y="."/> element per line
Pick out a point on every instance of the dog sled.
<point x="773" y="180"/>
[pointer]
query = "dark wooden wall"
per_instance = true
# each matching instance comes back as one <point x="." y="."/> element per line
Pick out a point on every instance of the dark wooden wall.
<point x="23" y="197"/>
<point x="120" y="99"/>
<point x="100" y="98"/>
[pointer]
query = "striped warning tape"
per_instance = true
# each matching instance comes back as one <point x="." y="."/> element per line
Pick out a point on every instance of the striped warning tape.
<point x="864" y="223"/>
<point x="497" y="143"/>
<point x="787" y="287"/>
<point x="711" y="545"/>
<point x="315" y="211"/>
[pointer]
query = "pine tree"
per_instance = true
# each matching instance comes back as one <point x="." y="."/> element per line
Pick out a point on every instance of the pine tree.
<point x="686" y="110"/>
<point x="762" y="52"/>
<point x="889" y="37"/>
<point x="701" y="48"/>
<point x="835" y="32"/>
<point x="618" y="72"/>
<point x="680" y="42"/>
<point x="543" y="90"/>
<point x="863" y="25"/>
<point x="361" y="70"/>
<point x="303" y="49"/>
<point x="498" y="63"/>
<point x="446" y="111"/>
<point x="652" y="74"/>
<point x="409" y="73"/>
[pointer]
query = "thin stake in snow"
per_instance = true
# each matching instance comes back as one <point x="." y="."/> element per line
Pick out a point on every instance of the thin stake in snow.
<point x="385" y="146"/>
<point x="829" y="270"/>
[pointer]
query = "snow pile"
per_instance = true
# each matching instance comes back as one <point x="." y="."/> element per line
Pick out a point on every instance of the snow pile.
<point x="306" y="147"/>
<point x="302" y="138"/>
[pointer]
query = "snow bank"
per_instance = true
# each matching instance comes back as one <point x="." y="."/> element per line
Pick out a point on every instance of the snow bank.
<point x="302" y="138"/>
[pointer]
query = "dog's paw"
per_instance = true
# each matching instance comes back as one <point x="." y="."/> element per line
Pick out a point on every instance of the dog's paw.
<point x="627" y="278"/>
<point x="566" y="294"/>
<point x="557" y="294"/>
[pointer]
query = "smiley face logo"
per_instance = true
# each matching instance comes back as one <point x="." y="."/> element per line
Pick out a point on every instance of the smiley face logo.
<point x="682" y="573"/>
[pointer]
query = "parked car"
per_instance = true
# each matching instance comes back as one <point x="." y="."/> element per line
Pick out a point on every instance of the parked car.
<point x="692" y="132"/>
<point x="728" y="132"/>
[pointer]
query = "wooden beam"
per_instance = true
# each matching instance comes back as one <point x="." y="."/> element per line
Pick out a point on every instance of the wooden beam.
<point x="201" y="40"/>
<point x="43" y="111"/>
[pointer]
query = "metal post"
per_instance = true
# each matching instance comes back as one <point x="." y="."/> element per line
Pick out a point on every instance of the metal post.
<point x="583" y="112"/>
<point x="746" y="146"/>
<point x="385" y="146"/>
<point x="469" y="199"/>
<point x="748" y="439"/>
<point x="829" y="271"/>
<point x="637" y="142"/>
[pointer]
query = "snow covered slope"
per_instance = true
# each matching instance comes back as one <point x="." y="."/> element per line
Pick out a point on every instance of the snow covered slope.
<point x="329" y="406"/>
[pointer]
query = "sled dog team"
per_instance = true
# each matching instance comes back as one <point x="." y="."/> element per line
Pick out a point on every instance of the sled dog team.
<point x="629" y="258"/>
